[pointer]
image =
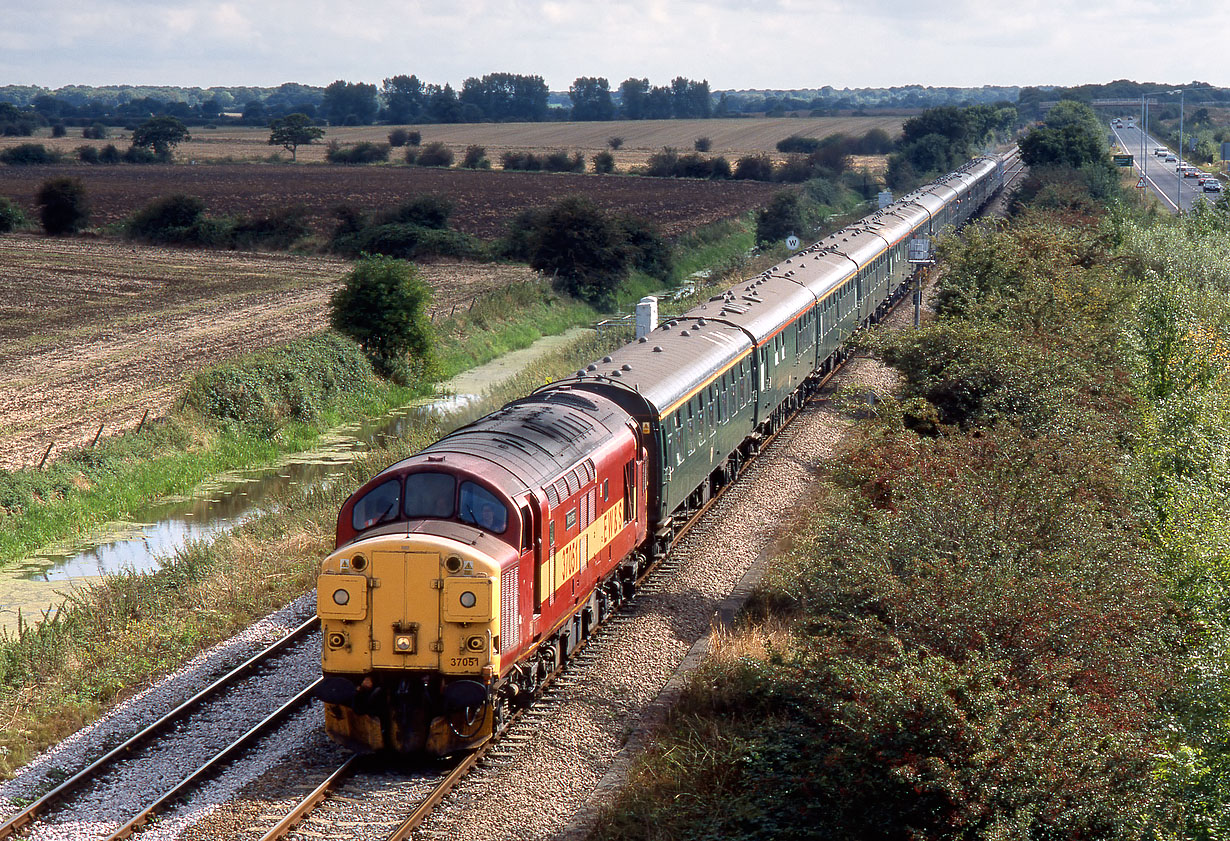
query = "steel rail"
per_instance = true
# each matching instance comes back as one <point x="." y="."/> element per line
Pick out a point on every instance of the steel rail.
<point x="222" y="756"/>
<point x="39" y="806"/>
<point x="307" y="804"/>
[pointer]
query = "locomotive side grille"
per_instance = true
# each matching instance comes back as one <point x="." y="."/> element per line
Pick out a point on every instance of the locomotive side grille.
<point x="510" y="626"/>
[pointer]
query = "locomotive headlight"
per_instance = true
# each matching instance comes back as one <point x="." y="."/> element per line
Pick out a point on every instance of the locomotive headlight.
<point x="341" y="596"/>
<point x="468" y="599"/>
<point x="405" y="645"/>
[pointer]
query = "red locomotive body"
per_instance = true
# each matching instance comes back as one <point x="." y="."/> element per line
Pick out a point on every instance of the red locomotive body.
<point x="465" y="573"/>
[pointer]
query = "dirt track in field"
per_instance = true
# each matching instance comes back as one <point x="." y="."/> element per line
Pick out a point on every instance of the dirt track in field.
<point x="96" y="332"/>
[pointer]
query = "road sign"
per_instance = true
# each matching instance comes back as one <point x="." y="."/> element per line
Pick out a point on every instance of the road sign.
<point x="1140" y="185"/>
<point x="1122" y="160"/>
<point x="792" y="242"/>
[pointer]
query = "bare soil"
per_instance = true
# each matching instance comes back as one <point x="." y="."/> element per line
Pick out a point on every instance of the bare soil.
<point x="484" y="202"/>
<point x="96" y="332"/>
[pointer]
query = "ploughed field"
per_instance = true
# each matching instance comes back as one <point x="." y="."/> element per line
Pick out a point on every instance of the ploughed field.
<point x="96" y="332"/>
<point x="484" y="201"/>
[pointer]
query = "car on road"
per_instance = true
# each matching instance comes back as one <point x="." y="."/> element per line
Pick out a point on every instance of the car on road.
<point x="1118" y="124"/>
<point x="1170" y="158"/>
<point x="1161" y="151"/>
<point x="1191" y="172"/>
<point x="1212" y="185"/>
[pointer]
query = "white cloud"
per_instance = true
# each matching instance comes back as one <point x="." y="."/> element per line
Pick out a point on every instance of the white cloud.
<point x="732" y="43"/>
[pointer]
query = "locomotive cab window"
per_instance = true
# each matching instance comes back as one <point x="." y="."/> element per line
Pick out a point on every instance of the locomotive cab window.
<point x="379" y="505"/>
<point x="430" y="495"/>
<point x="481" y="508"/>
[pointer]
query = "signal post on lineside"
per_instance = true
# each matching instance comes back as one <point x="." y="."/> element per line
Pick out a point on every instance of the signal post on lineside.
<point x="919" y="254"/>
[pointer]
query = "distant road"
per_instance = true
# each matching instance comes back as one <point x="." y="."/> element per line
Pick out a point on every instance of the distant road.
<point x="1160" y="177"/>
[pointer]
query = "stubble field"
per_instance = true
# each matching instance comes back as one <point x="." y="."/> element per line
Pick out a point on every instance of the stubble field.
<point x="96" y="332"/>
<point x="641" y="138"/>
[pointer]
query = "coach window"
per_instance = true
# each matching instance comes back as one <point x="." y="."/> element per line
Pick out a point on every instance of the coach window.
<point x="480" y="507"/>
<point x="430" y="495"/>
<point x="379" y="505"/>
<point x="606" y="490"/>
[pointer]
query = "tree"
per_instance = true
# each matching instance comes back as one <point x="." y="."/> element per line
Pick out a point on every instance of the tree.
<point x="382" y="306"/>
<point x="633" y="96"/>
<point x="162" y="134"/>
<point x="404" y="99"/>
<point x="350" y="103"/>
<point x="780" y="218"/>
<point x="62" y="205"/>
<point x="591" y="99"/>
<point x="293" y="131"/>
<point x="583" y="247"/>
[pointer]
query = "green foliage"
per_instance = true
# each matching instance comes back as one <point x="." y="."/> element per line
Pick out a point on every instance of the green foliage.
<point x="753" y="168"/>
<point x="173" y="219"/>
<point x="161" y="135"/>
<point x="292" y="131"/>
<point x="604" y="163"/>
<point x="398" y="137"/>
<point x="476" y="158"/>
<point x="416" y="228"/>
<point x="1069" y="145"/>
<point x="383" y="306"/>
<point x="364" y="152"/>
<point x="293" y="382"/>
<point x="614" y="142"/>
<point x="555" y="161"/>
<point x="279" y="229"/>
<point x="702" y="144"/>
<point x="62" y="205"/>
<point x="11" y="216"/>
<point x="670" y="164"/>
<point x="780" y="218"/>
<point x="26" y="154"/>
<point x="434" y="154"/>
<point x="95" y="131"/>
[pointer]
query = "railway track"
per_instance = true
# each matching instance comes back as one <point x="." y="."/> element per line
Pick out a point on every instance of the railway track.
<point x="57" y="798"/>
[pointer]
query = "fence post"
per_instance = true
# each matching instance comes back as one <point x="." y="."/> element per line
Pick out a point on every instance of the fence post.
<point x="142" y="423"/>
<point x="44" y="461"/>
<point x="96" y="435"/>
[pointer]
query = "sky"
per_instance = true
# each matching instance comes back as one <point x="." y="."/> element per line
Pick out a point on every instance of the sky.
<point x="776" y="44"/>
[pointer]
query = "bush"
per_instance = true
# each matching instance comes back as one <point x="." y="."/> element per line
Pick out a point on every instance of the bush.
<point x="414" y="138"/>
<point x="408" y="242"/>
<point x="475" y="158"/>
<point x="435" y="154"/>
<point x="25" y="154"/>
<point x="797" y="144"/>
<point x="795" y="170"/>
<point x="62" y="205"/>
<point x="604" y="162"/>
<point x="382" y="306"/>
<point x="583" y="248"/>
<point x="177" y="219"/>
<point x="647" y="251"/>
<point x="110" y="155"/>
<point x="754" y="168"/>
<point x="561" y="161"/>
<point x="279" y="230"/>
<point x="670" y="164"/>
<point x="94" y="131"/>
<point x="779" y="218"/>
<point x="399" y="137"/>
<point x="518" y="242"/>
<point x="615" y="142"/>
<point x="11" y="216"/>
<point x="364" y="152"/>
<point x="412" y="154"/>
<point x="426" y="211"/>
<point x="292" y="382"/>
<point x="702" y="144"/>
<point x="58" y="130"/>
<point x="87" y="154"/>
<point x="140" y="155"/>
<point x="525" y="161"/>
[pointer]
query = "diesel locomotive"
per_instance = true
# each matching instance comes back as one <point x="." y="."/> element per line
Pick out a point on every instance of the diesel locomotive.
<point x="467" y="573"/>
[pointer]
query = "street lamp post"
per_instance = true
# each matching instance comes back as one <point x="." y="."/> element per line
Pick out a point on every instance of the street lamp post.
<point x="1179" y="173"/>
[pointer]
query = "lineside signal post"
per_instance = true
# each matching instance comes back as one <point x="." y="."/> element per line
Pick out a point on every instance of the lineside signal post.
<point x="919" y="253"/>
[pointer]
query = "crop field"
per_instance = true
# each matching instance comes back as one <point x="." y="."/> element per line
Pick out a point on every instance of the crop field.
<point x="483" y="201"/>
<point x="730" y="137"/>
<point x="95" y="332"/>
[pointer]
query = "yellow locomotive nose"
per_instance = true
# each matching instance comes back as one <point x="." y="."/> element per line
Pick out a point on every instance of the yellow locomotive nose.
<point x="410" y="641"/>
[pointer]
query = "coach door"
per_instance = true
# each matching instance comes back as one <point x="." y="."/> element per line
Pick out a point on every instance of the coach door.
<point x="406" y="609"/>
